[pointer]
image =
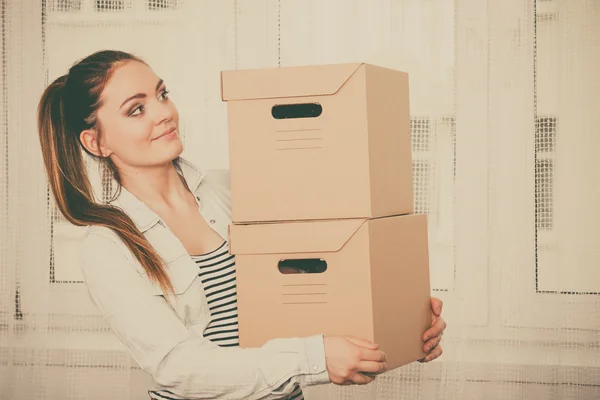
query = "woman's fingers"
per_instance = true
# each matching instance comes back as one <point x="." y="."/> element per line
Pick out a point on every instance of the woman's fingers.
<point x="372" y="367"/>
<point x="361" y="379"/>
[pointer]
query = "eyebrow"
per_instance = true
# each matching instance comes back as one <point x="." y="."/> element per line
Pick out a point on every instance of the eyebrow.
<point x="141" y="95"/>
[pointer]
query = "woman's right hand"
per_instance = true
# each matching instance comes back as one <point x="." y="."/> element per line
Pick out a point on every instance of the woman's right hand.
<point x="348" y="358"/>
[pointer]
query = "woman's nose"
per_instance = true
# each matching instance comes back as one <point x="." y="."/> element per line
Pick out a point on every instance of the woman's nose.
<point x="163" y="113"/>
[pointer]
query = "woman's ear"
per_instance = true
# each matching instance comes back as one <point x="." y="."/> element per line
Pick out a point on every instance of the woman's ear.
<point x="89" y="140"/>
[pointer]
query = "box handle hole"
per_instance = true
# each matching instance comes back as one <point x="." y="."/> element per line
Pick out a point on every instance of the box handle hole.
<point x="304" y="110"/>
<point x="302" y="266"/>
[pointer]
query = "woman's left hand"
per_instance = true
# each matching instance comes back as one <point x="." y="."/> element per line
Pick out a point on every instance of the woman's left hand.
<point x="433" y="335"/>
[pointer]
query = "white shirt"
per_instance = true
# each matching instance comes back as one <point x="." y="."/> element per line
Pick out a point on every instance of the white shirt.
<point x="167" y="341"/>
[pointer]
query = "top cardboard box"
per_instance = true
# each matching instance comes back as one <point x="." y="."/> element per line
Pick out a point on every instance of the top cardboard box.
<point x="318" y="142"/>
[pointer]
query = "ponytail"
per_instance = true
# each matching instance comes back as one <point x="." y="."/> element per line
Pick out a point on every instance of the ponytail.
<point x="71" y="188"/>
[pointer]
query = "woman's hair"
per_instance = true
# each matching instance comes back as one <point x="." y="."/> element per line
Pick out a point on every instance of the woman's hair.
<point x="68" y="106"/>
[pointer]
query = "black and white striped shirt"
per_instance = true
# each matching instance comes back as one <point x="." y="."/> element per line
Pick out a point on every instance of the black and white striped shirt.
<point x="217" y="273"/>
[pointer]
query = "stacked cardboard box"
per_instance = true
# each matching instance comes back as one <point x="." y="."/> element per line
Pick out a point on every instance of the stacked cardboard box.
<point x="324" y="230"/>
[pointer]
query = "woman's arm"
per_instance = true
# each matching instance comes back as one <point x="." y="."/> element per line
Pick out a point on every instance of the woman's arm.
<point x="180" y="361"/>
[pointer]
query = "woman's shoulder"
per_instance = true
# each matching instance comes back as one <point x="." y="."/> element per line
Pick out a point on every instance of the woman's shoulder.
<point x="215" y="189"/>
<point x="101" y="237"/>
<point x="218" y="177"/>
<point x="214" y="177"/>
<point x="104" y="232"/>
<point x="101" y="246"/>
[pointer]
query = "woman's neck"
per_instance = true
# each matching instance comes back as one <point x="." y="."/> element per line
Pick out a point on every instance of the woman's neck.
<point x="161" y="187"/>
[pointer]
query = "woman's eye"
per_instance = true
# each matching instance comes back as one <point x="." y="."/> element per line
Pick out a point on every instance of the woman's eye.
<point x="140" y="108"/>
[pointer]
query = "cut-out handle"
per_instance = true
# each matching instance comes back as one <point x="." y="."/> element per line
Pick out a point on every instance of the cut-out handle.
<point x="304" y="110"/>
<point x="302" y="266"/>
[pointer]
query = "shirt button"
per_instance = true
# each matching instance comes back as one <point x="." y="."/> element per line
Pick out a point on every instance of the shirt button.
<point x="212" y="221"/>
<point x="314" y="367"/>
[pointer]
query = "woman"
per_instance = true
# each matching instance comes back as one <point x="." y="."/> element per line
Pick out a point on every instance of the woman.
<point x="155" y="260"/>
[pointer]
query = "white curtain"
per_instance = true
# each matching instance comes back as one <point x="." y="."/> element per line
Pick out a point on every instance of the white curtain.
<point x="505" y="105"/>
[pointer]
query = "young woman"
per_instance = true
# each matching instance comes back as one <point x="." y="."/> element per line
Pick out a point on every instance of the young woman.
<point x="155" y="259"/>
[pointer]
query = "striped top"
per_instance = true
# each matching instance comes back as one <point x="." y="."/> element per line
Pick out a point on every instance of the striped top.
<point x="217" y="273"/>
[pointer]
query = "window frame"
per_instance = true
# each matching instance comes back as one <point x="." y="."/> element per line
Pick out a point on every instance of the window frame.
<point x="132" y="12"/>
<point x="527" y="307"/>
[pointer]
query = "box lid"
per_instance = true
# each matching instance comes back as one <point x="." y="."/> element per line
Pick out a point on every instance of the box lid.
<point x="292" y="237"/>
<point x="266" y="83"/>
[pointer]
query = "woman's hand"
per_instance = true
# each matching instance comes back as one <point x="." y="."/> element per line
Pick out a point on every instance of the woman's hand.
<point x="433" y="335"/>
<point x="348" y="358"/>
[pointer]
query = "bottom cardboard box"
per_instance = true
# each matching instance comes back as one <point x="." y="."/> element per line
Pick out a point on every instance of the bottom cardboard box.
<point x="367" y="278"/>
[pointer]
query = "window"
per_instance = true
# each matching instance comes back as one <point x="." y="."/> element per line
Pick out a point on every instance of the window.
<point x="65" y="13"/>
<point x="162" y="4"/>
<point x="420" y="133"/>
<point x="558" y="267"/>
<point x="434" y="165"/>
<point x="109" y="5"/>
<point x="421" y="184"/>
<point x="545" y="137"/>
<point x="64" y="5"/>
<point x="64" y="237"/>
<point x="420" y="139"/>
<point x="544" y="202"/>
<point x="545" y="134"/>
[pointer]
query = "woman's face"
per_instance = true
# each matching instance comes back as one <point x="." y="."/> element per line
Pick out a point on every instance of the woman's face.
<point x="139" y="124"/>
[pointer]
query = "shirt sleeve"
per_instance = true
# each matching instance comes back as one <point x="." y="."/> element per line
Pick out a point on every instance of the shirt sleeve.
<point x="177" y="358"/>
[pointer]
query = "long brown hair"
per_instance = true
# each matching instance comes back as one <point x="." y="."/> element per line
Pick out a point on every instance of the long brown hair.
<point x="67" y="107"/>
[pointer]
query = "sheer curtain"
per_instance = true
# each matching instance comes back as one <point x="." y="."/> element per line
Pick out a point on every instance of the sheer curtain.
<point x="505" y="101"/>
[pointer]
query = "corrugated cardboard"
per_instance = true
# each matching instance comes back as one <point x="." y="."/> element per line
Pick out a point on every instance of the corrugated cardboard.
<point x="375" y="286"/>
<point x="349" y="156"/>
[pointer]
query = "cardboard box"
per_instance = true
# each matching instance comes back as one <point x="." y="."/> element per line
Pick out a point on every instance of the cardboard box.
<point x="367" y="278"/>
<point x="318" y="142"/>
